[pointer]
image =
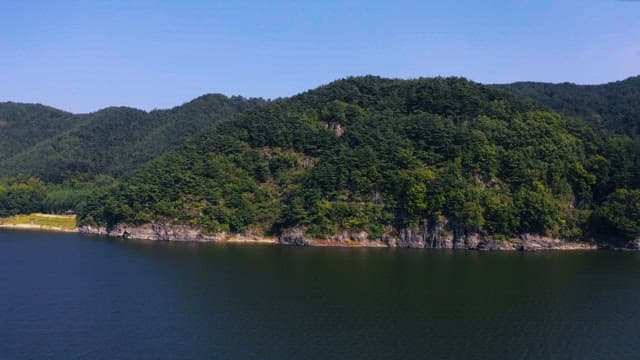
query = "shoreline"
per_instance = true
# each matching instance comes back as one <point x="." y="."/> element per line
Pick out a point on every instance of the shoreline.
<point x="262" y="240"/>
<point x="39" y="228"/>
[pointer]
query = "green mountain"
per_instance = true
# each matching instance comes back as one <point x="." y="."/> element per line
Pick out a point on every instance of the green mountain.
<point x="420" y="161"/>
<point x="24" y="125"/>
<point x="57" y="147"/>
<point x="614" y="106"/>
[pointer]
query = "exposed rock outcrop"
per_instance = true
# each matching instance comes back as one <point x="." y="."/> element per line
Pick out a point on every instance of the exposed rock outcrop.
<point x="337" y="127"/>
<point x="170" y="232"/>
<point x="345" y="235"/>
<point x="441" y="236"/>
<point x="437" y="234"/>
<point x="434" y="235"/>
<point x="494" y="245"/>
<point x="633" y="245"/>
<point x="294" y="236"/>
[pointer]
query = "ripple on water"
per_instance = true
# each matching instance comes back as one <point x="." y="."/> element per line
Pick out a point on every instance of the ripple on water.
<point x="69" y="296"/>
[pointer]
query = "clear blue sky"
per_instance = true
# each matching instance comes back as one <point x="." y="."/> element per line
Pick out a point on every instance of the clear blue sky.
<point x="84" y="55"/>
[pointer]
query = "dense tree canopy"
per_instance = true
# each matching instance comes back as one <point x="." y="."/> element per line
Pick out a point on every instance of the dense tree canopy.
<point x="371" y="154"/>
<point x="360" y="154"/>
<point x="115" y="141"/>
<point x="613" y="106"/>
<point x="24" y="125"/>
<point x="620" y="213"/>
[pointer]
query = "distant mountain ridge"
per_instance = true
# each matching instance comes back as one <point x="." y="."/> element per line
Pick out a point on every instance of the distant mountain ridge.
<point x="24" y="125"/>
<point x="55" y="146"/>
<point x="613" y="106"/>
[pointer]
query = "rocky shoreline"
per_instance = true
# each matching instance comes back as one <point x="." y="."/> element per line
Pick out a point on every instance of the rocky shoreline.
<point x="407" y="238"/>
<point x="34" y="227"/>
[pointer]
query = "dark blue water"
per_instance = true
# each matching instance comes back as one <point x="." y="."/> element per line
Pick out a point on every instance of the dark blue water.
<point x="72" y="296"/>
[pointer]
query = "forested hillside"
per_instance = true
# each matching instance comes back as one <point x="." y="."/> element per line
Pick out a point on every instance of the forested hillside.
<point x="24" y="125"/>
<point x="116" y="141"/>
<point x="383" y="157"/>
<point x="614" y="106"/>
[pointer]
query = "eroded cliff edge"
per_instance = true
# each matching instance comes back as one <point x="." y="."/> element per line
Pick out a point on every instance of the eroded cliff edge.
<point x="409" y="237"/>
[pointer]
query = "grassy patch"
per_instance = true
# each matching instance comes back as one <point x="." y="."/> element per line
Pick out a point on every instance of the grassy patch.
<point x="67" y="222"/>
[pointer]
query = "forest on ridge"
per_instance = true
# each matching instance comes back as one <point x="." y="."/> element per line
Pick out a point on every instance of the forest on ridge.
<point x="362" y="154"/>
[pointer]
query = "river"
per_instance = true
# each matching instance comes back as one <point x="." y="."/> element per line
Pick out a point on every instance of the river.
<point x="75" y="296"/>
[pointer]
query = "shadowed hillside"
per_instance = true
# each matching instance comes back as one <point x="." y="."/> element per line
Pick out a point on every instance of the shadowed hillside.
<point x="614" y="106"/>
<point x="24" y="125"/>
<point x="58" y="147"/>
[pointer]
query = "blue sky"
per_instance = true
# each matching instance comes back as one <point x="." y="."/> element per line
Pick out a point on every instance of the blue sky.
<point x="81" y="56"/>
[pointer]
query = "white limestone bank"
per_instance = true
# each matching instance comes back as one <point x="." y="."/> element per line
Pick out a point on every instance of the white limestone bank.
<point x="410" y="237"/>
<point x="166" y="232"/>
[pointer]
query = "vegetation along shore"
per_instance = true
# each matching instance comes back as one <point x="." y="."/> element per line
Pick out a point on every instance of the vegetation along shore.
<point x="362" y="161"/>
<point x="158" y="232"/>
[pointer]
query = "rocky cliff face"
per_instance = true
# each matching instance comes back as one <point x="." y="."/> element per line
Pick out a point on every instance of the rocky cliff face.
<point x="434" y="235"/>
<point x="437" y="235"/>
<point x="171" y="232"/>
<point x="293" y="236"/>
<point x="155" y="231"/>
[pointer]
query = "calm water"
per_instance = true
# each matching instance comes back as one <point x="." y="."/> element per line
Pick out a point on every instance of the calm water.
<point x="71" y="296"/>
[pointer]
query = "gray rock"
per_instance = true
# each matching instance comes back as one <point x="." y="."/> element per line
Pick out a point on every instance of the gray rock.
<point x="294" y="236"/>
